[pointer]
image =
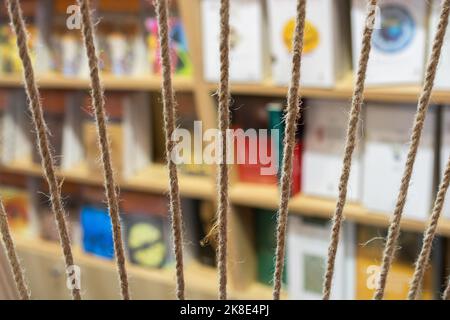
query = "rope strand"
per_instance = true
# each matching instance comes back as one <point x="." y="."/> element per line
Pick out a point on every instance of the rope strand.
<point x="224" y="123"/>
<point x="422" y="107"/>
<point x="357" y="101"/>
<point x="169" y="128"/>
<point x="101" y="124"/>
<point x="446" y="295"/>
<point x="15" y="15"/>
<point x="424" y="256"/>
<point x="14" y="262"/>
<point x="293" y="113"/>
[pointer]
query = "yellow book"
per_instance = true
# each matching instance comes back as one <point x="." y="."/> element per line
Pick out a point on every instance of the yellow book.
<point x="368" y="260"/>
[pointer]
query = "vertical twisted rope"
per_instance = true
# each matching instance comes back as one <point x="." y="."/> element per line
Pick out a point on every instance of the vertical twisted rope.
<point x="424" y="256"/>
<point x="224" y="123"/>
<point x="424" y="100"/>
<point x="357" y="101"/>
<point x="103" y="140"/>
<point x="293" y="113"/>
<point x="14" y="262"/>
<point x="169" y="128"/>
<point x="446" y="295"/>
<point x="15" y="15"/>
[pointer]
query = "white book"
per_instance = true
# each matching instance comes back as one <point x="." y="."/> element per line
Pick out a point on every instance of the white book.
<point x="442" y="80"/>
<point x="445" y="154"/>
<point x="326" y="56"/>
<point x="388" y="129"/>
<point x="246" y="40"/>
<point x="17" y="135"/>
<point x="308" y="241"/>
<point x="398" y="41"/>
<point x="137" y="133"/>
<point x="72" y="143"/>
<point x="325" y="138"/>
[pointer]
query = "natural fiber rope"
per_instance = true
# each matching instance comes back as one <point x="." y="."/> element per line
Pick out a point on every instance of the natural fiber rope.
<point x="424" y="100"/>
<point x="101" y="124"/>
<point x="446" y="295"/>
<point x="169" y="127"/>
<point x="352" y="129"/>
<point x="14" y="262"/>
<point x="293" y="113"/>
<point x="424" y="256"/>
<point x="224" y="123"/>
<point x="15" y="15"/>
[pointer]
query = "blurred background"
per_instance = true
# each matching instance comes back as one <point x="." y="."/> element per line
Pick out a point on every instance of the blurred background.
<point x="261" y="36"/>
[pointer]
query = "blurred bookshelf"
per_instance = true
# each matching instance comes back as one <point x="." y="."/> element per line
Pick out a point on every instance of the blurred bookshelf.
<point x="42" y="257"/>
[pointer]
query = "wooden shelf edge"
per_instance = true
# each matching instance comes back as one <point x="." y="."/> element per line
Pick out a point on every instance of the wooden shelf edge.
<point x="267" y="197"/>
<point x="342" y="90"/>
<point x="200" y="280"/>
<point x="153" y="179"/>
<point x="110" y="82"/>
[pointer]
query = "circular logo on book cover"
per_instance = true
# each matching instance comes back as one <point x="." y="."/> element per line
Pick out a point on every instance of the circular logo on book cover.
<point x="311" y="36"/>
<point x="397" y="29"/>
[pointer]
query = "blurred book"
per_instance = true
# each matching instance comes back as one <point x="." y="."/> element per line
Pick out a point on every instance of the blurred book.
<point x="248" y="54"/>
<point x="146" y="229"/>
<point x="398" y="41"/>
<point x="198" y="218"/>
<point x="371" y="242"/>
<point x="48" y="229"/>
<point x="16" y="129"/>
<point x="17" y="205"/>
<point x="442" y="80"/>
<point x="114" y="108"/>
<point x="387" y="131"/>
<point x="326" y="56"/>
<point x="137" y="138"/>
<point x="73" y="152"/>
<point x="265" y="245"/>
<point x="445" y="153"/>
<point x="307" y="249"/>
<point x="97" y="231"/>
<point x="181" y="62"/>
<point x="325" y="139"/>
<point x="53" y="106"/>
<point x="277" y="129"/>
<point x="10" y="62"/>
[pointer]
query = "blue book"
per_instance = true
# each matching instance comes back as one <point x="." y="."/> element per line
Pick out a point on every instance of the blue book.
<point x="97" y="232"/>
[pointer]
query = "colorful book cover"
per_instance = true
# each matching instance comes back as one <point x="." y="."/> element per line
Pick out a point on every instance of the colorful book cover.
<point x="17" y="206"/>
<point x="368" y="260"/>
<point x="97" y="237"/>
<point x="147" y="240"/>
<point x="276" y="122"/>
<point x="181" y="62"/>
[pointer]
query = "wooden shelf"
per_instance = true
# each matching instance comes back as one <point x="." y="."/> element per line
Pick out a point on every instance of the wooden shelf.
<point x="57" y="81"/>
<point x="343" y="90"/>
<point x="153" y="179"/>
<point x="45" y="271"/>
<point x="259" y="196"/>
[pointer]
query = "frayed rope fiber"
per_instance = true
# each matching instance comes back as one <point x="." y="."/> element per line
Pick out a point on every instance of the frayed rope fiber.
<point x="13" y="260"/>
<point x="357" y="101"/>
<point x="293" y="113"/>
<point x="111" y="188"/>
<point x="224" y="124"/>
<point x="169" y="112"/>
<point x="31" y="88"/>
<point x="422" y="107"/>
